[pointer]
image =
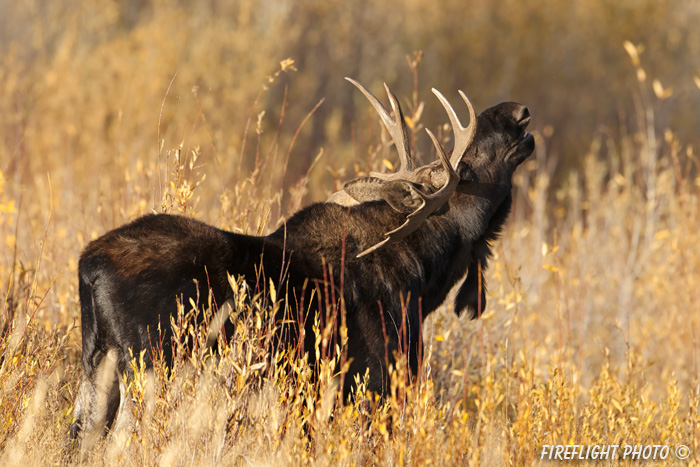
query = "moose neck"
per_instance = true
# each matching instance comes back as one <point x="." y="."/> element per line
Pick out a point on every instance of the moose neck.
<point x="474" y="204"/>
<point x="450" y="243"/>
<point x="426" y="264"/>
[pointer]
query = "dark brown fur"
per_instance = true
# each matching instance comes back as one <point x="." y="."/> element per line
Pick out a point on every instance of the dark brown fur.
<point x="130" y="277"/>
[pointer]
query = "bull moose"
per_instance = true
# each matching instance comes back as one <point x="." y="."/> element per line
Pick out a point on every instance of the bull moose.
<point x="391" y="245"/>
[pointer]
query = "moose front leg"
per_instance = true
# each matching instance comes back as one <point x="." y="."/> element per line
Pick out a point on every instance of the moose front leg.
<point x="472" y="292"/>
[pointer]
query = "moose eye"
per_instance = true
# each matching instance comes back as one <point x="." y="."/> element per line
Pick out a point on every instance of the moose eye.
<point x="465" y="172"/>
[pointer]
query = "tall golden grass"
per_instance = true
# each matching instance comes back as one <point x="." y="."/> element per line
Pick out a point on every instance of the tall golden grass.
<point x="110" y="110"/>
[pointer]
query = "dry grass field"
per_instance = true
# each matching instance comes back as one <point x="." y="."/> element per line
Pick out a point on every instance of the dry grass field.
<point x="237" y="113"/>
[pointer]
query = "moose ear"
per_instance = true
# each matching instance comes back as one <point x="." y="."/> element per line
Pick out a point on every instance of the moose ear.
<point x="401" y="195"/>
<point x="365" y="189"/>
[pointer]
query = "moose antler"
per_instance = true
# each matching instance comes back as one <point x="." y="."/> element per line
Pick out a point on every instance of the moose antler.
<point x="406" y="179"/>
<point x="430" y="203"/>
<point x="396" y="129"/>
<point x="463" y="136"/>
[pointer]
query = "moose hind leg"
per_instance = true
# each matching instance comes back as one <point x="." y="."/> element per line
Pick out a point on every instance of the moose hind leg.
<point x="82" y="406"/>
<point x="97" y="400"/>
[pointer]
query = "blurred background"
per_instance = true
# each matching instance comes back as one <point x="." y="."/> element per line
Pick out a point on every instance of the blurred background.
<point x="111" y="109"/>
<point x="91" y="86"/>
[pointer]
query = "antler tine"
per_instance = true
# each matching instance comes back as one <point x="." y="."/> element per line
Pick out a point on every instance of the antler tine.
<point x="463" y="136"/>
<point x="400" y="132"/>
<point x="430" y="202"/>
<point x="396" y="128"/>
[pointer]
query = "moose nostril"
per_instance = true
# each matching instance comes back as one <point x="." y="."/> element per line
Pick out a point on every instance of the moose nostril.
<point x="522" y="116"/>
